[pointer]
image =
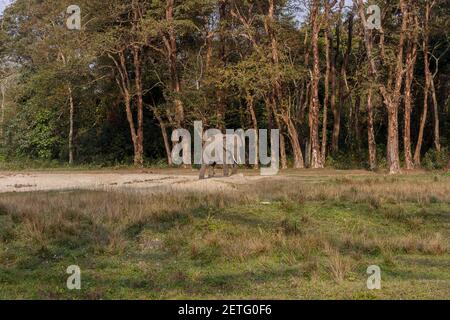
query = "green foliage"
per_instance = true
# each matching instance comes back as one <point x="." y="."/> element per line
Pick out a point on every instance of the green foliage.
<point x="223" y="62"/>
<point x="41" y="139"/>
<point x="347" y="160"/>
<point x="435" y="160"/>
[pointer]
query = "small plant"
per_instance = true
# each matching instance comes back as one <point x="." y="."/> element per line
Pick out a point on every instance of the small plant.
<point x="338" y="265"/>
<point x="395" y="214"/>
<point x="290" y="226"/>
<point x="346" y="161"/>
<point x="435" y="160"/>
<point x="375" y="202"/>
<point x="435" y="245"/>
<point x="288" y="206"/>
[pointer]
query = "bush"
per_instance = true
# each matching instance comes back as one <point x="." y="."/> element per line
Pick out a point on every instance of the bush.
<point x="347" y="161"/>
<point x="435" y="160"/>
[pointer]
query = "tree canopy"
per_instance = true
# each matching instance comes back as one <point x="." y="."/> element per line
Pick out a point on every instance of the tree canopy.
<point x="340" y="93"/>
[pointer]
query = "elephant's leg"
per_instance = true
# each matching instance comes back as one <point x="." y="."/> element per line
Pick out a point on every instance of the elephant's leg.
<point x="203" y="171"/>
<point x="235" y="169"/>
<point x="225" y="170"/>
<point x="225" y="161"/>
<point x="212" y="171"/>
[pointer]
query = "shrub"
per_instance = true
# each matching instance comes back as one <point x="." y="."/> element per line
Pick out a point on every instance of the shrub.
<point x="435" y="160"/>
<point x="290" y="226"/>
<point x="346" y="161"/>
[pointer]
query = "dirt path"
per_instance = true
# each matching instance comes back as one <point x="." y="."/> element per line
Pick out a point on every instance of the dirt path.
<point x="28" y="182"/>
<point x="153" y="180"/>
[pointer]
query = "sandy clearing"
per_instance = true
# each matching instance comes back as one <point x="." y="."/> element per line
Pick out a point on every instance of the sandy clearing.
<point x="152" y="181"/>
<point x="148" y="182"/>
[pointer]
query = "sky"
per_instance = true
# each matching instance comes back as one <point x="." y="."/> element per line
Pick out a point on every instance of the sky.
<point x="3" y="4"/>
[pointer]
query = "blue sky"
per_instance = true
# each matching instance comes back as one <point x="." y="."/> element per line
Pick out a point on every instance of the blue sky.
<point x="3" y="4"/>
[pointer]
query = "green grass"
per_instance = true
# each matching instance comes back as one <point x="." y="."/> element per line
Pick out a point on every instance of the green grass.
<point x="313" y="242"/>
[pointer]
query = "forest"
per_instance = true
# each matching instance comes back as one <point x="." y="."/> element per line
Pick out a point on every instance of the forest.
<point x="342" y="95"/>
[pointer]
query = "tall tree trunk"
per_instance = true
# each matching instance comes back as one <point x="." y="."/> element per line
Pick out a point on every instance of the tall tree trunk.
<point x="430" y="78"/>
<point x="139" y="152"/>
<point x="283" y="155"/>
<point x="279" y="125"/>
<point x="333" y="106"/>
<point x="342" y="88"/>
<point x="306" y="83"/>
<point x="171" y="48"/>
<point x="336" y="108"/>
<point x="130" y="119"/>
<point x="407" y="127"/>
<point x="410" y="64"/>
<point x="426" y="90"/>
<point x="166" y="139"/>
<point x="370" y="114"/>
<point x="354" y="131"/>
<point x="437" y="135"/>
<point x="391" y="93"/>
<point x="393" y="99"/>
<point x="296" y="147"/>
<point x="123" y="82"/>
<point x="137" y="64"/>
<point x="371" y="133"/>
<point x="251" y="110"/>
<point x="166" y="143"/>
<point x="71" y="111"/>
<point x="221" y="101"/>
<point x="2" y="106"/>
<point x="71" y="125"/>
<point x="393" y="140"/>
<point x="330" y="72"/>
<point x="316" y="158"/>
<point x="277" y="98"/>
<point x="423" y="122"/>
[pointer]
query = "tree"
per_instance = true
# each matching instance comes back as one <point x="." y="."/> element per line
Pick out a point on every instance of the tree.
<point x="330" y="75"/>
<point x="392" y="91"/>
<point x="429" y="86"/>
<point x="112" y="92"/>
<point x="316" y="159"/>
<point x="124" y="45"/>
<point x="411" y="58"/>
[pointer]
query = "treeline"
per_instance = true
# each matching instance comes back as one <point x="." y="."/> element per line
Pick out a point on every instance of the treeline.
<point x="341" y="94"/>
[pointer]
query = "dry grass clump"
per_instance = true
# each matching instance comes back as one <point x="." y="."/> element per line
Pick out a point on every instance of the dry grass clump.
<point x="434" y="244"/>
<point x="291" y="226"/>
<point x="249" y="245"/>
<point x="395" y="213"/>
<point x="370" y="190"/>
<point x="338" y="265"/>
<point x="207" y="249"/>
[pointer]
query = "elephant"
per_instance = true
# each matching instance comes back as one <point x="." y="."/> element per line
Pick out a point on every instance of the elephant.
<point x="231" y="145"/>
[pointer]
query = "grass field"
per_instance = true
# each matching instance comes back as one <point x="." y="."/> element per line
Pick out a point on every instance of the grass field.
<point x="291" y="237"/>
